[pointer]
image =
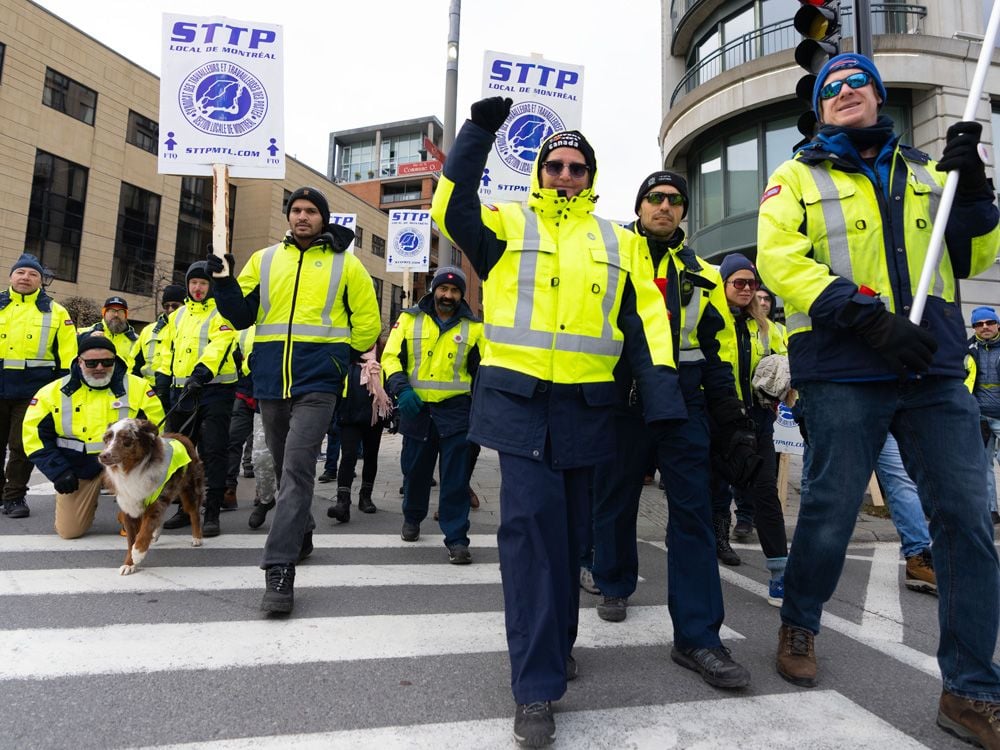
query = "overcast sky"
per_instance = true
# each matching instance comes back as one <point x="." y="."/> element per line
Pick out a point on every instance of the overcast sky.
<point x="351" y="64"/>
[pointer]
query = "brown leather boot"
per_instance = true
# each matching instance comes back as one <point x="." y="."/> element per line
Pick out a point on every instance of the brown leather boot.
<point x="976" y="722"/>
<point x="797" y="656"/>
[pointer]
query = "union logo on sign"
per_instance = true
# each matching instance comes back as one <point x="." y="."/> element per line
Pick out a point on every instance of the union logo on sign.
<point x="408" y="243"/>
<point x="221" y="98"/>
<point x="522" y="134"/>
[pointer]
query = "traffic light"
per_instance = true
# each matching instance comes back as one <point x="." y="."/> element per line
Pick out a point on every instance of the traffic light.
<point x="818" y="21"/>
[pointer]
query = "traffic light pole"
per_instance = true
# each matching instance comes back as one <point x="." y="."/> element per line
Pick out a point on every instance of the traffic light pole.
<point x="863" y="28"/>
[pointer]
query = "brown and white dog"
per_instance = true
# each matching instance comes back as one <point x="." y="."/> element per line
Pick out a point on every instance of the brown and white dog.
<point x="136" y="459"/>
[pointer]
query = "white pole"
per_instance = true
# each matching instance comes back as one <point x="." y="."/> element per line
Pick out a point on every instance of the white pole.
<point x="220" y="212"/>
<point x="951" y="184"/>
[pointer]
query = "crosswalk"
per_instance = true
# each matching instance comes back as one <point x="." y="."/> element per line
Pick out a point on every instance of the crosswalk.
<point x="389" y="647"/>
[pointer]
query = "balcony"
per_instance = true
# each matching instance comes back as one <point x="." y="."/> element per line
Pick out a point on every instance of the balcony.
<point x="887" y="18"/>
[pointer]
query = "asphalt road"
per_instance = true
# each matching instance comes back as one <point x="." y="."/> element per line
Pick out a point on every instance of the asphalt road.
<point x="391" y="647"/>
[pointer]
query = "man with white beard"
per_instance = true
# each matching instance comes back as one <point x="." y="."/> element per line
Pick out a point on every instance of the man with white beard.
<point x="98" y="392"/>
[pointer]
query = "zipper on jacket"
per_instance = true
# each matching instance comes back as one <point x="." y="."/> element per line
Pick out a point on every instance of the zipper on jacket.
<point x="287" y="364"/>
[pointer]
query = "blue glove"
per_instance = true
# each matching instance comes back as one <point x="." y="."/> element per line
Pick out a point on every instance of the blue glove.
<point x="409" y="403"/>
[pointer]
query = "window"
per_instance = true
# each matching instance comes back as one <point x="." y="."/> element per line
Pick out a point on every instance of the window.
<point x="710" y="185"/>
<point x="55" y="214"/>
<point x="396" y="303"/>
<point x="3" y="50"/>
<point x="378" y="246"/>
<point x="134" y="264"/>
<point x="378" y="291"/>
<point x="284" y="202"/>
<point x="399" y="149"/>
<point x="359" y="233"/>
<point x="194" y="223"/>
<point x="456" y="257"/>
<point x="68" y="96"/>
<point x="143" y="132"/>
<point x="742" y="175"/>
<point x="396" y="192"/>
<point x="357" y="161"/>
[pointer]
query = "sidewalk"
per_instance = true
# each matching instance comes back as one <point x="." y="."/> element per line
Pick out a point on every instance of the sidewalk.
<point x="652" y="521"/>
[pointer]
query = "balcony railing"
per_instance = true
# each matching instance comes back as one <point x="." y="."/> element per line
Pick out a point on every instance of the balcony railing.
<point x="887" y="18"/>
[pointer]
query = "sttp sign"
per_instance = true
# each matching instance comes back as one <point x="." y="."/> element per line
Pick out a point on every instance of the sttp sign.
<point x="221" y="97"/>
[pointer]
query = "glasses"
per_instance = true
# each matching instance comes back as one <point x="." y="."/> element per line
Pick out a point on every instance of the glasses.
<point x="171" y="306"/>
<point x="674" y="199"/>
<point x="855" y="81"/>
<point x="555" y="168"/>
<point x="983" y="323"/>
<point x="744" y="283"/>
<point x="90" y="364"/>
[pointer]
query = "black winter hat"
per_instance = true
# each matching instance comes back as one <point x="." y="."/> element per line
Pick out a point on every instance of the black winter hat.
<point x="93" y="340"/>
<point x="663" y="178"/>
<point x="198" y="270"/>
<point x="315" y="197"/>
<point x="115" y="301"/>
<point x="27" y="260"/>
<point x="173" y="293"/>
<point x="569" y="139"/>
<point x="449" y="275"/>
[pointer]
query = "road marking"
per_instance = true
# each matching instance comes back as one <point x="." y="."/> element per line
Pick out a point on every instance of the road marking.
<point x="909" y="656"/>
<point x="103" y="542"/>
<point x="46" y="653"/>
<point x="787" y="721"/>
<point x="211" y="578"/>
<point x="882" y="614"/>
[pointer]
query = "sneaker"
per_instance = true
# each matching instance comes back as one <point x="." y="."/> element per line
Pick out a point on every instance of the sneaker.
<point x="920" y="573"/>
<point x="210" y="524"/>
<point x="178" y="520"/>
<point x="613" y="608"/>
<point x="534" y="725"/>
<point x="411" y="532"/>
<point x="458" y="554"/>
<point x="742" y="530"/>
<point x="975" y="722"/>
<point x="279" y="595"/>
<point x="326" y="477"/>
<point x="776" y="591"/>
<point x="248" y="472"/>
<point x="587" y="581"/>
<point x="258" y="514"/>
<point x="17" y="508"/>
<point x="572" y="671"/>
<point x="796" y="660"/>
<point x="307" y="546"/>
<point x="715" y="665"/>
<point x="229" y="499"/>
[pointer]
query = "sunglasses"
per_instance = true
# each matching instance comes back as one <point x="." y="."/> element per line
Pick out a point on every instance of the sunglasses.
<point x="674" y="199"/>
<point x="555" y="168"/>
<point x="855" y="81"/>
<point x="982" y="323"/>
<point x="90" y="364"/>
<point x="744" y="283"/>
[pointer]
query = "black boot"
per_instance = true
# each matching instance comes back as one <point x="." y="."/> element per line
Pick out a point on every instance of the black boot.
<point x="177" y="521"/>
<point x="365" y="504"/>
<point x="259" y="513"/>
<point x="210" y="523"/>
<point x="342" y="510"/>
<point x="723" y="550"/>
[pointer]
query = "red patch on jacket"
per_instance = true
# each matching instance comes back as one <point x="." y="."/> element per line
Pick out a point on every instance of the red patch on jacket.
<point x="770" y="193"/>
<point x="150" y="392"/>
<point x="225" y="328"/>
<point x="396" y="324"/>
<point x="33" y="401"/>
<point x="491" y="207"/>
<point x="67" y="322"/>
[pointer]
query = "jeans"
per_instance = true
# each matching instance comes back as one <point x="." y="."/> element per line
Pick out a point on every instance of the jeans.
<point x="936" y="422"/>
<point x="294" y="429"/>
<point x="991" y="454"/>
<point x="904" y="503"/>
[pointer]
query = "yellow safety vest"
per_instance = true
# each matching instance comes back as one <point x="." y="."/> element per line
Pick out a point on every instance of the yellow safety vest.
<point x="438" y="367"/>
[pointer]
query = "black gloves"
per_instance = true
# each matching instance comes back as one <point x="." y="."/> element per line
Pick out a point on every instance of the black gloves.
<point x="199" y="376"/>
<point x="904" y="346"/>
<point x="489" y="114"/>
<point x="961" y="152"/>
<point x="215" y="266"/>
<point x="66" y="483"/>
<point x="986" y="431"/>
<point x="734" y="442"/>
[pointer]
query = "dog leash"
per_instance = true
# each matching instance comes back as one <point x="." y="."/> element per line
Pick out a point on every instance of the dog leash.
<point x="173" y="408"/>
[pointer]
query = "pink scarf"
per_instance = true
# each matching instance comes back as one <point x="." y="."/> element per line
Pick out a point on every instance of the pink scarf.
<point x="371" y="376"/>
